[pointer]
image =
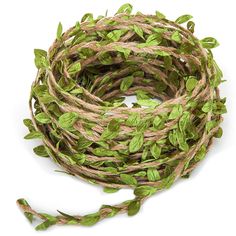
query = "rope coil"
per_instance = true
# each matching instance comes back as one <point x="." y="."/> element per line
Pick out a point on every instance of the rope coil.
<point x="78" y="110"/>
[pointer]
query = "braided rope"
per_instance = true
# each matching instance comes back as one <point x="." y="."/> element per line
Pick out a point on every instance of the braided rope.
<point x="77" y="106"/>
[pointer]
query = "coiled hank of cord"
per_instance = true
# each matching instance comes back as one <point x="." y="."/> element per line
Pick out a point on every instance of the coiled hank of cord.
<point x="78" y="110"/>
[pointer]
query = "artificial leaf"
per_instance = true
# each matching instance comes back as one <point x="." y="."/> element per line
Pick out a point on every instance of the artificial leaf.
<point x="110" y="190"/>
<point x="40" y="59"/>
<point x="153" y="174"/>
<point x="133" y="207"/>
<point x="74" y="68"/>
<point x="59" y="31"/>
<point x="138" y="31"/>
<point x="136" y="143"/>
<point x="176" y="37"/>
<point x="133" y="119"/>
<point x="209" y="42"/>
<point x="128" y="179"/>
<point x="115" y="35"/>
<point x="90" y="219"/>
<point x="155" y="150"/>
<point x="159" y="15"/>
<point x="126" y="52"/>
<point x="126" y="83"/>
<point x="144" y="191"/>
<point x="43" y="118"/>
<point x="41" y="151"/>
<point x="191" y="84"/>
<point x="126" y="8"/>
<point x="68" y="119"/>
<point x="176" y="112"/>
<point x="182" y="19"/>
<point x="33" y="135"/>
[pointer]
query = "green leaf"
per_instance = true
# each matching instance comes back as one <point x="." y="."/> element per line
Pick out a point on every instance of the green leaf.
<point x="184" y="121"/>
<point x="182" y="19"/>
<point x="33" y="135"/>
<point x="83" y="143"/>
<point x="207" y="107"/>
<point x="125" y="51"/>
<point x="113" y="210"/>
<point x="176" y="112"/>
<point x="172" y="136"/>
<point x="126" y="83"/>
<point x="105" y="80"/>
<point x="90" y="219"/>
<point x="219" y="133"/>
<point x="67" y="120"/>
<point x="49" y="217"/>
<point x="160" y="16"/>
<point x="144" y="191"/>
<point x="210" y="125"/>
<point x="74" y="68"/>
<point x="114" y="125"/>
<point x="66" y="84"/>
<point x="59" y="31"/>
<point x="191" y="83"/>
<point x="29" y="216"/>
<point x="136" y="143"/>
<point x="112" y="129"/>
<point x="148" y="44"/>
<point x="155" y="151"/>
<point x="162" y="53"/>
<point x="23" y="202"/>
<point x="43" y="118"/>
<point x="138" y="31"/>
<point x="191" y="26"/>
<point x="133" y="119"/>
<point x="219" y="108"/>
<point x="157" y="38"/>
<point x="87" y="17"/>
<point x="148" y="103"/>
<point x="108" y="134"/>
<point x="29" y="124"/>
<point x="77" y="91"/>
<point x="105" y="58"/>
<point x="126" y="8"/>
<point x="144" y="154"/>
<point x="110" y="190"/>
<point x="141" y="173"/>
<point x="128" y="179"/>
<point x="183" y="145"/>
<point x="80" y="158"/>
<point x="115" y="35"/>
<point x="133" y="207"/>
<point x="200" y="154"/>
<point x="209" y="42"/>
<point x="41" y="91"/>
<point x="41" y="151"/>
<point x="40" y="59"/>
<point x="141" y="94"/>
<point x="101" y="152"/>
<point x="153" y="174"/>
<point x="176" y="37"/>
<point x="157" y="122"/>
<point x="168" y="181"/>
<point x="46" y="224"/>
<point x="51" y="220"/>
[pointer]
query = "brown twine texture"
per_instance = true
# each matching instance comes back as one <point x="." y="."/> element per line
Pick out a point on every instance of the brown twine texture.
<point x="96" y="110"/>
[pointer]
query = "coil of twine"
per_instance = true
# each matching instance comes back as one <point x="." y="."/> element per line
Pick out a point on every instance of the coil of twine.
<point x="78" y="109"/>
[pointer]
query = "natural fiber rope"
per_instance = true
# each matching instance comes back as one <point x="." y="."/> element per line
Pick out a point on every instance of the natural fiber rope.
<point x="78" y="112"/>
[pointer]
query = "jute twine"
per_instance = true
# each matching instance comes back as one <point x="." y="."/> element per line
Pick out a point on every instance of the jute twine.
<point x="77" y="106"/>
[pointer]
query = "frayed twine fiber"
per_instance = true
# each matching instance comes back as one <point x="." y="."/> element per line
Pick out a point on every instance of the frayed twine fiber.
<point x="78" y="110"/>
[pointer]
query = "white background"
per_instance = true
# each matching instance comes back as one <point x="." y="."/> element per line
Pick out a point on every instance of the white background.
<point x="204" y="204"/>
